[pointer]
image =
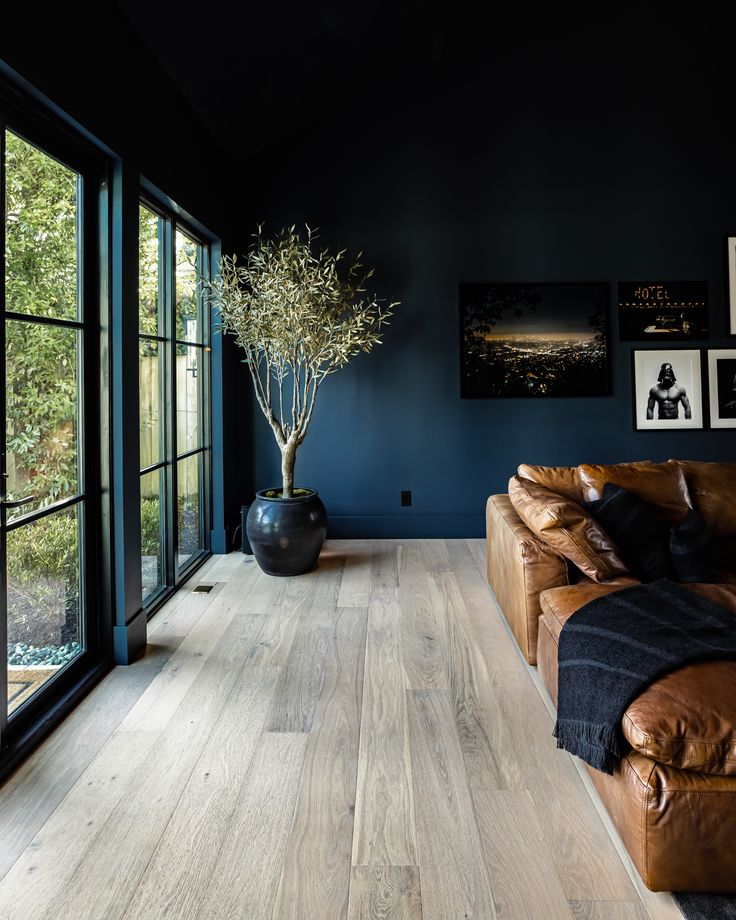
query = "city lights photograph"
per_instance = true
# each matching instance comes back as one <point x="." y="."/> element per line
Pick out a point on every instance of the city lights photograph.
<point x="534" y="340"/>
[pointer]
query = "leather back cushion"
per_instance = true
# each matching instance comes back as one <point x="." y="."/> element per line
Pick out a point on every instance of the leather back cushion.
<point x="567" y="528"/>
<point x="688" y="718"/>
<point x="564" y="480"/>
<point x="712" y="488"/>
<point x="662" y="485"/>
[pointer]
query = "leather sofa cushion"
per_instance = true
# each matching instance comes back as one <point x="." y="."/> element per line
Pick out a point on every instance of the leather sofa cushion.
<point x="564" y="480"/>
<point x="661" y="485"/>
<point x="566" y="527"/>
<point x="686" y="719"/>
<point x="712" y="488"/>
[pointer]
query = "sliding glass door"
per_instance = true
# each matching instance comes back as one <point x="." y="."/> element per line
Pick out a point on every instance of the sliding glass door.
<point x="174" y="402"/>
<point x="48" y="481"/>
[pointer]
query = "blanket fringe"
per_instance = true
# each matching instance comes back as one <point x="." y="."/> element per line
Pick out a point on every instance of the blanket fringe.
<point x="597" y="745"/>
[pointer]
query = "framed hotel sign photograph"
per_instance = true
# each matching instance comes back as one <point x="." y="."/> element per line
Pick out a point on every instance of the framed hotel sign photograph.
<point x="731" y="261"/>
<point x="722" y="387"/>
<point x="662" y="311"/>
<point x="667" y="390"/>
<point x="534" y="340"/>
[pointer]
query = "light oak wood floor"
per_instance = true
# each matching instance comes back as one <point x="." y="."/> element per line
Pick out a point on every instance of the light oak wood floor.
<point x="362" y="743"/>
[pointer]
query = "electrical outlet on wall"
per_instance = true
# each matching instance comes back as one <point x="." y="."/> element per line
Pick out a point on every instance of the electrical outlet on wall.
<point x="406" y="498"/>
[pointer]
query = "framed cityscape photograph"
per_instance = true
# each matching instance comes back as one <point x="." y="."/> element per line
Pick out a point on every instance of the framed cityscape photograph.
<point x="731" y="262"/>
<point x="667" y="390"/>
<point x="534" y="340"/>
<point x="722" y="387"/>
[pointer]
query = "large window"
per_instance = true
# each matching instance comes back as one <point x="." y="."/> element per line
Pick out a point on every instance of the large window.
<point x="174" y="394"/>
<point x="49" y="512"/>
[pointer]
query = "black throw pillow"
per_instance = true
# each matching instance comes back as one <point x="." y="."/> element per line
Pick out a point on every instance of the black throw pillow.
<point x="694" y="549"/>
<point x="642" y="537"/>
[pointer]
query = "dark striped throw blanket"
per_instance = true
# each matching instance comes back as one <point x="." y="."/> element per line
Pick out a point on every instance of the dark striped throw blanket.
<point x="615" y="646"/>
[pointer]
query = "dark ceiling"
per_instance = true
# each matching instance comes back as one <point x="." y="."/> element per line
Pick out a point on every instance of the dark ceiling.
<point x="257" y="73"/>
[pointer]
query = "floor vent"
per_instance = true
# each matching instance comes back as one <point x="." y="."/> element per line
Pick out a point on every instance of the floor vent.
<point x="202" y="589"/>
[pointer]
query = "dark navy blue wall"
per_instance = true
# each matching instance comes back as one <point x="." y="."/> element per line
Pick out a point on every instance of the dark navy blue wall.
<point x="552" y="152"/>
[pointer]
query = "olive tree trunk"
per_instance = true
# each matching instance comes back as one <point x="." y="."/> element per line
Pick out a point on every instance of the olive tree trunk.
<point x="288" y="459"/>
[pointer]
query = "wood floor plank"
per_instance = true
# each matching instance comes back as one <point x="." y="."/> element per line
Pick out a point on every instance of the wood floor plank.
<point x="356" y="579"/>
<point x="177" y="876"/>
<point x="608" y="910"/>
<point x="384" y="807"/>
<point x="45" y="867"/>
<point x="34" y="790"/>
<point x="169" y="611"/>
<point x="490" y="758"/>
<point x="434" y="553"/>
<point x="584" y="855"/>
<point x="316" y="877"/>
<point x="478" y="551"/>
<point x="245" y="879"/>
<point x="264" y="595"/>
<point x="520" y="865"/>
<point x="385" y="893"/>
<point x="301" y="678"/>
<point x="384" y="572"/>
<point x="490" y="631"/>
<point x="455" y="880"/>
<point x="163" y="697"/>
<point x="423" y="625"/>
<point x="107" y="877"/>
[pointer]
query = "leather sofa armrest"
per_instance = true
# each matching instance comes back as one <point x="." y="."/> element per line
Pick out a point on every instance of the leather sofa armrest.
<point x="520" y="566"/>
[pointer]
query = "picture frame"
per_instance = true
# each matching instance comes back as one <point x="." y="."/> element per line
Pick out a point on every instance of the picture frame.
<point x="722" y="387"/>
<point x="667" y="389"/>
<point x="534" y="339"/>
<point x="661" y="312"/>
<point x="731" y="268"/>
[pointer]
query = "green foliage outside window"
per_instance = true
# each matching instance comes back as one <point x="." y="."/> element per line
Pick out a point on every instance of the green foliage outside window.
<point x="40" y="280"/>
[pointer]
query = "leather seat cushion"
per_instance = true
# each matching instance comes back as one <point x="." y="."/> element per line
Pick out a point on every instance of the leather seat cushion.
<point x="686" y="719"/>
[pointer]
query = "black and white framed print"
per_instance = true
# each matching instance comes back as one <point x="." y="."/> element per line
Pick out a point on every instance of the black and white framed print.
<point x="722" y="387"/>
<point x="534" y="339"/>
<point x="667" y="390"/>
<point x="731" y="262"/>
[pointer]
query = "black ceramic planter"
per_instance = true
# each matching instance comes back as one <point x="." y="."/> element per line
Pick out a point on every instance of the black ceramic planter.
<point x="286" y="534"/>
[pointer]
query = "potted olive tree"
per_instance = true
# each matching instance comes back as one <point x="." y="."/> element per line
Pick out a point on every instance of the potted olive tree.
<point x="300" y="314"/>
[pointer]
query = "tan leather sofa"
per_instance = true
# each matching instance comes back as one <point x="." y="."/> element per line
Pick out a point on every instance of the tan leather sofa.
<point x="672" y="798"/>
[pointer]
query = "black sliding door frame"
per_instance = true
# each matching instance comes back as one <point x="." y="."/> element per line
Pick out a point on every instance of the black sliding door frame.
<point x="32" y="719"/>
<point x="173" y="575"/>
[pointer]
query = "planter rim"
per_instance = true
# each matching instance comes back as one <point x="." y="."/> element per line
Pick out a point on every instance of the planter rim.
<point x="296" y="499"/>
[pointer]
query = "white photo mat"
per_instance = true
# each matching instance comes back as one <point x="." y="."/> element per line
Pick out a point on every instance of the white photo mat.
<point x="731" y="260"/>
<point x="647" y="389"/>
<point x="722" y="386"/>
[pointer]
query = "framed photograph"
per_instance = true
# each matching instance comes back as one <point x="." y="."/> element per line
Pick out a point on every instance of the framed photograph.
<point x="667" y="390"/>
<point x="534" y="340"/>
<point x="731" y="262"/>
<point x="662" y="311"/>
<point x="722" y="387"/>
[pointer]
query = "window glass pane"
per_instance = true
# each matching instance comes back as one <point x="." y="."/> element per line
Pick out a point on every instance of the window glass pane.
<point x="44" y="602"/>
<point x="188" y="382"/>
<point x="187" y="293"/>
<point x="189" y="472"/>
<point x="42" y="412"/>
<point x="149" y="272"/>
<point x="40" y="232"/>
<point x="150" y="396"/>
<point x="152" y="530"/>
